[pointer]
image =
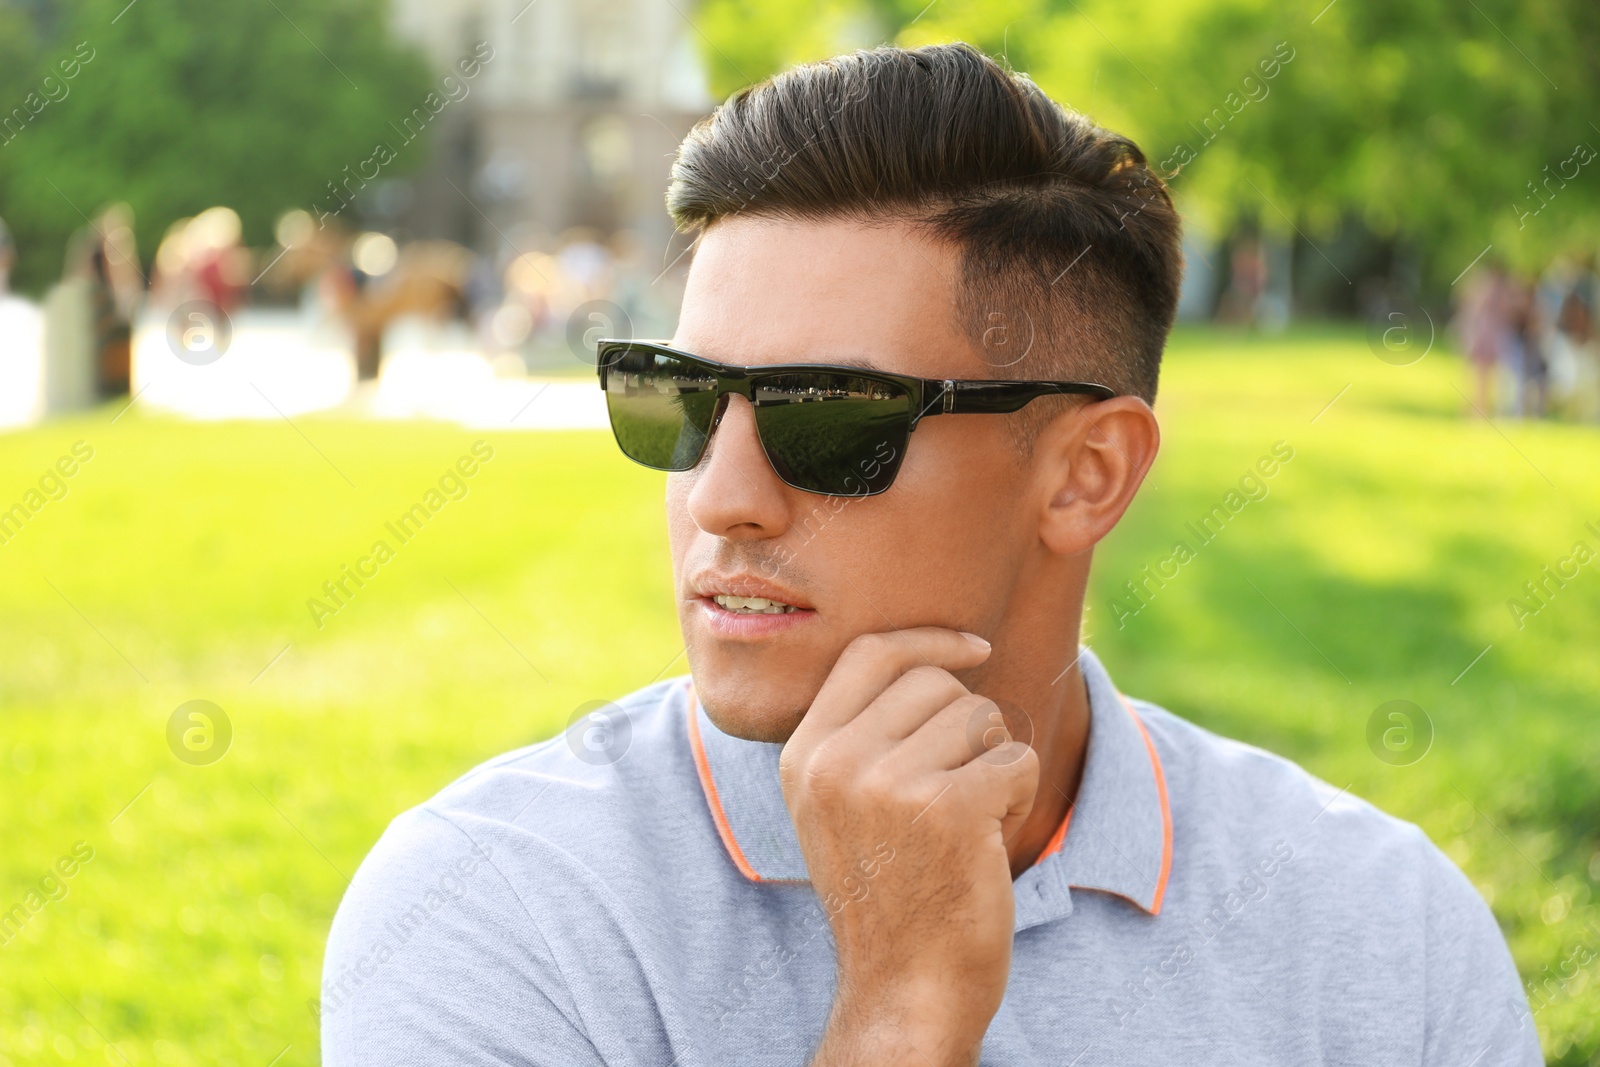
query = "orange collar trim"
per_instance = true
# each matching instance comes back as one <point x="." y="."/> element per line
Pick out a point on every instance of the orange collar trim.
<point x="719" y="816"/>
<point x="1166" y="810"/>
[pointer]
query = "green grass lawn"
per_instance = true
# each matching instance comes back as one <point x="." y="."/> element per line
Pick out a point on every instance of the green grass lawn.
<point x="177" y="567"/>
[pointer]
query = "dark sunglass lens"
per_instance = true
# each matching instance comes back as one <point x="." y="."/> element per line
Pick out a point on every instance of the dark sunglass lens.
<point x="833" y="433"/>
<point x="661" y="407"/>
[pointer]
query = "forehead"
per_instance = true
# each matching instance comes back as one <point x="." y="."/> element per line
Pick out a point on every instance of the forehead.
<point x="877" y="294"/>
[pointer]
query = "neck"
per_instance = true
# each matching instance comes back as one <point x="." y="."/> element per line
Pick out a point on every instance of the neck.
<point x="1035" y="678"/>
<point x="1060" y="726"/>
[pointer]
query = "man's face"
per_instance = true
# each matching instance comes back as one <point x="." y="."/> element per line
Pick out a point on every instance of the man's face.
<point x="946" y="545"/>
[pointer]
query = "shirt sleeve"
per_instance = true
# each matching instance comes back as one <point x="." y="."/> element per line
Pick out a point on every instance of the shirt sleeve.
<point x="1477" y="1010"/>
<point x="434" y="959"/>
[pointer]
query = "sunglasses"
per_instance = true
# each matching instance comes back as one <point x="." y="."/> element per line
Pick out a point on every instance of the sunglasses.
<point x="825" y="428"/>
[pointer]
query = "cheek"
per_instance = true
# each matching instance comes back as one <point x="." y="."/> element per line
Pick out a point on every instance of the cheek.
<point x="964" y="475"/>
<point x="677" y="505"/>
<point x="937" y="547"/>
<point x="681" y="528"/>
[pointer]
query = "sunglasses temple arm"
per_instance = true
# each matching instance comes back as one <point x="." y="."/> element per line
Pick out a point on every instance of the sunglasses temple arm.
<point x="995" y="397"/>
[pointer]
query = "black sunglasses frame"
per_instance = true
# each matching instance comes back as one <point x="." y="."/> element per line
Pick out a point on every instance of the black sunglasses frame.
<point x="929" y="396"/>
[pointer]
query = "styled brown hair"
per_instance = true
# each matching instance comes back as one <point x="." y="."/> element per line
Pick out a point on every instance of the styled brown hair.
<point x="1070" y="246"/>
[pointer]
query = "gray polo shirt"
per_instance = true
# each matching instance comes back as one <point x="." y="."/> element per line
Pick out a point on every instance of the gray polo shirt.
<point x="639" y="898"/>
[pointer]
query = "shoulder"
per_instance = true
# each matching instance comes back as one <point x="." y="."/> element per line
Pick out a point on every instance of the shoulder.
<point x="465" y="893"/>
<point x="1346" y="890"/>
<point x="563" y="810"/>
<point x="1242" y="814"/>
<point x="574" y="793"/>
<point x="1228" y="797"/>
<point x="615" y="764"/>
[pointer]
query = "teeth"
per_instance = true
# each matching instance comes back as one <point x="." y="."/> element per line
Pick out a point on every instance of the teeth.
<point x="753" y="605"/>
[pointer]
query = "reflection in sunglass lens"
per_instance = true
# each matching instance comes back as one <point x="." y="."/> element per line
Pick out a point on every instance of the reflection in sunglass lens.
<point x="832" y="433"/>
<point x="661" y="407"/>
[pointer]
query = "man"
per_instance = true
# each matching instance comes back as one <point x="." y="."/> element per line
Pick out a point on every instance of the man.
<point x="897" y="815"/>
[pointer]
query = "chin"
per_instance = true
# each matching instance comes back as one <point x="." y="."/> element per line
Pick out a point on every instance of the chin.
<point x="760" y="688"/>
<point x="753" y="709"/>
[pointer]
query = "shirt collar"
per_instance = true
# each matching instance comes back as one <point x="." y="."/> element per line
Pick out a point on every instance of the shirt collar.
<point x="1116" y="838"/>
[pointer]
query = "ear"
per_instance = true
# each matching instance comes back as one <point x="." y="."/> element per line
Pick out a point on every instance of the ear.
<point x="1091" y="463"/>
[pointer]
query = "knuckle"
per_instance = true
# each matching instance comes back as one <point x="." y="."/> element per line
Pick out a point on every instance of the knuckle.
<point x="879" y="786"/>
<point x="1028" y="763"/>
<point x="811" y="793"/>
<point x="828" y="768"/>
<point x="1022" y="768"/>
<point x="868" y="646"/>
<point x="936" y="681"/>
<point x="982" y="710"/>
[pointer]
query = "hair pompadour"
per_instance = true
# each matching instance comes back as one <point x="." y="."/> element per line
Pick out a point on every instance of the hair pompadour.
<point x="1070" y="246"/>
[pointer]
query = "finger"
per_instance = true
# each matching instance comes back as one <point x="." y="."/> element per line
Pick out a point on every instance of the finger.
<point x="1002" y="782"/>
<point x="900" y="710"/>
<point x="871" y="662"/>
<point x="957" y="734"/>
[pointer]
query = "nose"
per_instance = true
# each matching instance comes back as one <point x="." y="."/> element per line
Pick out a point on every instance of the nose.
<point x="735" y="493"/>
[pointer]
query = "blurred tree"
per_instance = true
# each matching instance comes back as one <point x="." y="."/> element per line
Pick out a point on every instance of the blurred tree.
<point x="1448" y="124"/>
<point x="176" y="105"/>
<point x="1440" y="125"/>
<point x="746" y="41"/>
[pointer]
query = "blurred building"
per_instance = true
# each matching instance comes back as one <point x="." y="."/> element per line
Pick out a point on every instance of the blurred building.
<point x="571" y="123"/>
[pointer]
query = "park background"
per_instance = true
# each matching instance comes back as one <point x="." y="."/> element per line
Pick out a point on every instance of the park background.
<point x="1408" y="607"/>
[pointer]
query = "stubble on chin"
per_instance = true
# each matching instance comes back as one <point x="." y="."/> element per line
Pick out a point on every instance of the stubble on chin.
<point x="764" y="717"/>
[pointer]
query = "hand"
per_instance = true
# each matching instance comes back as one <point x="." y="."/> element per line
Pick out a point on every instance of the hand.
<point x="902" y="811"/>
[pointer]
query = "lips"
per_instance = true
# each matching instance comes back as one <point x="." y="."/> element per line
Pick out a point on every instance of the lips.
<point x="740" y="606"/>
<point x="748" y="594"/>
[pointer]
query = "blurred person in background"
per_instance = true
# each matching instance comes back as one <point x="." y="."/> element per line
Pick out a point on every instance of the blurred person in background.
<point x="585" y="264"/>
<point x="21" y="344"/>
<point x="169" y="285"/>
<point x="8" y="258"/>
<point x="1247" y="280"/>
<point x="310" y="267"/>
<point x="1524" y="353"/>
<point x="484" y="295"/>
<point x="424" y="280"/>
<point x="367" y="281"/>
<point x="1568" y="292"/>
<point x="104" y="259"/>
<point x="1482" y="323"/>
<point x="203" y="258"/>
<point x="217" y="260"/>
<point x="527" y="295"/>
